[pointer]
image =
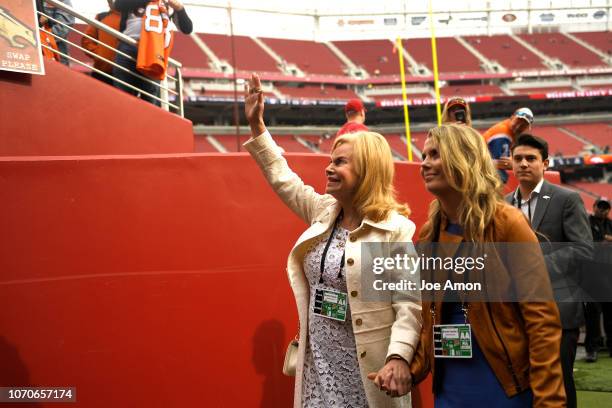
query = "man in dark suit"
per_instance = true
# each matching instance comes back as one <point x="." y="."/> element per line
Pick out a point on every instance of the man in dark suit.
<point x="601" y="227"/>
<point x="559" y="218"/>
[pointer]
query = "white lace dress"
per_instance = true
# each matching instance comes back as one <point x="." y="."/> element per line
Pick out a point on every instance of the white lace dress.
<point x="331" y="370"/>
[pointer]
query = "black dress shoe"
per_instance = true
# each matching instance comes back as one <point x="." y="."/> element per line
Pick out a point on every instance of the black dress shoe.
<point x="591" y="357"/>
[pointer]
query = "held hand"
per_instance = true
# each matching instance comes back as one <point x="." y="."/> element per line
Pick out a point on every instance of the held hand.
<point x="394" y="378"/>
<point x="175" y="4"/>
<point x="254" y="105"/>
<point x="504" y="163"/>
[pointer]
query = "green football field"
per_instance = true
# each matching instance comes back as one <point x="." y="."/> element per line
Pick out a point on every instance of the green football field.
<point x="594" y="382"/>
<point x="594" y="399"/>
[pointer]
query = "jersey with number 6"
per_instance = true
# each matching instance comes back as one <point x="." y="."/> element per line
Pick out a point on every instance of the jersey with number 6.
<point x="156" y="41"/>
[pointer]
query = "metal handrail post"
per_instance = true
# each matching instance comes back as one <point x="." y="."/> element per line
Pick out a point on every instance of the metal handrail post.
<point x="179" y="84"/>
<point x="163" y="93"/>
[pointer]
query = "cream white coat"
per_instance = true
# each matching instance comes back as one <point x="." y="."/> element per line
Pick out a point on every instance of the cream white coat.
<point x="381" y="328"/>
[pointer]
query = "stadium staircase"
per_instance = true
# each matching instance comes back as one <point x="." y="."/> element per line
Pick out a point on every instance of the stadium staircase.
<point x="217" y="64"/>
<point x="574" y="135"/>
<point x="550" y="62"/>
<point x="484" y="61"/>
<point x="353" y="70"/>
<point x="606" y="59"/>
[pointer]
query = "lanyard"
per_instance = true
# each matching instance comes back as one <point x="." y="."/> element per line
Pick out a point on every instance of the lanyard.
<point x="329" y="240"/>
<point x="519" y="203"/>
<point x="465" y="307"/>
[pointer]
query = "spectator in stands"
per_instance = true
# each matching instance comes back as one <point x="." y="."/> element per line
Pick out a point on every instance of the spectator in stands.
<point x="359" y="206"/>
<point x="58" y="22"/>
<point x="132" y="12"/>
<point x="502" y="135"/>
<point x="601" y="227"/>
<point x="111" y="18"/>
<point x="515" y="345"/>
<point x="355" y="118"/>
<point x="49" y="49"/>
<point x="557" y="215"/>
<point x="457" y="110"/>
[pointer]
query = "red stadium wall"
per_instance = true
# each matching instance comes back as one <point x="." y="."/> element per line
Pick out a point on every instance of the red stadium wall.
<point x="69" y="113"/>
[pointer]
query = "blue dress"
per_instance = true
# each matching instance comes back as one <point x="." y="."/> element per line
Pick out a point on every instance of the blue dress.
<point x="470" y="382"/>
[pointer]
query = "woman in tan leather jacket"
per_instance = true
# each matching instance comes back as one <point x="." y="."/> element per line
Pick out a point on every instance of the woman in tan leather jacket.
<point x="515" y="345"/>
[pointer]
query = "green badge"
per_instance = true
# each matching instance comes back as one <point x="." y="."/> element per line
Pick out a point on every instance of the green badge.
<point x="452" y="341"/>
<point x="330" y="304"/>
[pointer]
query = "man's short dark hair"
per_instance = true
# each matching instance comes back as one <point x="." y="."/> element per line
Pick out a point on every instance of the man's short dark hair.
<point x="527" y="139"/>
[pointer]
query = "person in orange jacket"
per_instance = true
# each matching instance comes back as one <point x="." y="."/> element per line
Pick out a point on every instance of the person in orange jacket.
<point x="57" y="22"/>
<point x="502" y="135"/>
<point x="514" y="341"/>
<point x="111" y="18"/>
<point x="132" y="12"/>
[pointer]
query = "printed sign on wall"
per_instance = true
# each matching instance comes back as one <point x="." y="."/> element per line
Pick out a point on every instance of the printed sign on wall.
<point x="20" y="49"/>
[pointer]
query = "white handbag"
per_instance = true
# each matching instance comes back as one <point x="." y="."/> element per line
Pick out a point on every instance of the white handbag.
<point x="291" y="357"/>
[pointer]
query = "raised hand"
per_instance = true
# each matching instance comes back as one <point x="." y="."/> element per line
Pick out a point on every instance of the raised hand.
<point x="504" y="163"/>
<point x="175" y="4"/>
<point x="254" y="105"/>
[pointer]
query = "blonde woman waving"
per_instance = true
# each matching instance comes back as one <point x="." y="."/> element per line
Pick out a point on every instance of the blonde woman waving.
<point x="338" y="352"/>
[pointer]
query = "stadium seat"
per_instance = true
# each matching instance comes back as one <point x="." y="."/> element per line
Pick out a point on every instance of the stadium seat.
<point x="506" y="51"/>
<point x="557" y="45"/>
<point x="301" y="53"/>
<point x="453" y="57"/>
<point x="249" y="56"/>
<point x="600" y="134"/>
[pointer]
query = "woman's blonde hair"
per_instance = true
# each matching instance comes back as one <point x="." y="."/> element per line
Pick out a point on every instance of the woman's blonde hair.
<point x="372" y="161"/>
<point x="468" y="168"/>
<point x="446" y="119"/>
